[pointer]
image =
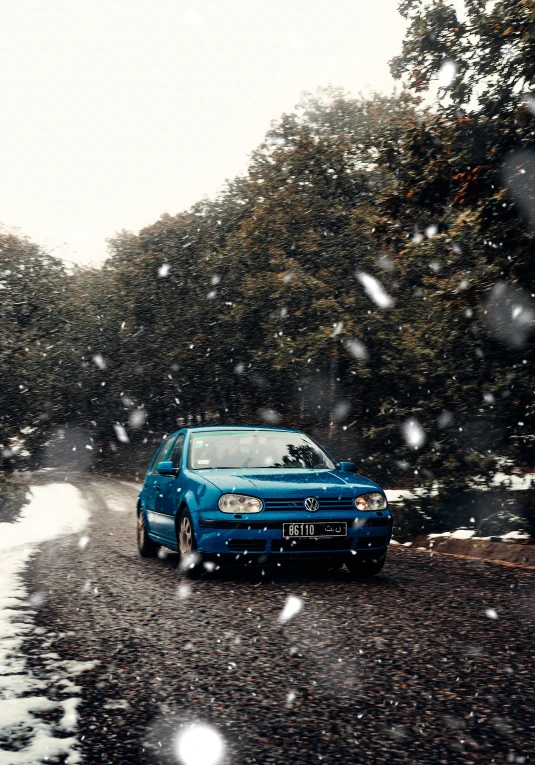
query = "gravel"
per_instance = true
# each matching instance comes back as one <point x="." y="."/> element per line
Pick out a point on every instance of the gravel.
<point x="405" y="667"/>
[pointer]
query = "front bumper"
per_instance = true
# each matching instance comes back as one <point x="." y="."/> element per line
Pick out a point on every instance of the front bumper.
<point x="266" y="560"/>
<point x="254" y="537"/>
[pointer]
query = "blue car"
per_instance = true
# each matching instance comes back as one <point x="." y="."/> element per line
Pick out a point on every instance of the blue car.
<point x="260" y="495"/>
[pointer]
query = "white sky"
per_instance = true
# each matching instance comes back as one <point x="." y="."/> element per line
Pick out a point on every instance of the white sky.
<point x="116" y="112"/>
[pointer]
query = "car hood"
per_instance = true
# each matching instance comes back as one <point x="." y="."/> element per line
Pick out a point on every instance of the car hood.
<point x="289" y="483"/>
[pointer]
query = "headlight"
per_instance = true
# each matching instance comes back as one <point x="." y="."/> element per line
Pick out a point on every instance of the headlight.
<point x="239" y="503"/>
<point x="373" y="501"/>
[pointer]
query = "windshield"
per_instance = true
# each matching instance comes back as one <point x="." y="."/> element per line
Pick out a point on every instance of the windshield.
<point x="257" y="449"/>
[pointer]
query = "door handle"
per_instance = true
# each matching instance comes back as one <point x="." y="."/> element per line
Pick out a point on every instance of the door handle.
<point x="157" y="487"/>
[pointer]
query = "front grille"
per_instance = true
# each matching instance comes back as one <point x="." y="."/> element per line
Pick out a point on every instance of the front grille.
<point x="297" y="545"/>
<point x="246" y="545"/>
<point x="365" y="543"/>
<point x="208" y="523"/>
<point x="326" y="503"/>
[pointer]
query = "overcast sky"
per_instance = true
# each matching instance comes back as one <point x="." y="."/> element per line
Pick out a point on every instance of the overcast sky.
<point x="116" y="112"/>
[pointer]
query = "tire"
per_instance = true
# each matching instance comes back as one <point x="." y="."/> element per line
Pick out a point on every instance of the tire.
<point x="190" y="559"/>
<point x="147" y="548"/>
<point x="365" y="567"/>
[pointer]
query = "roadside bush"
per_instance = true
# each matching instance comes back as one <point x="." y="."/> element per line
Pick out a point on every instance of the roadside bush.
<point x="490" y="513"/>
<point x="13" y="496"/>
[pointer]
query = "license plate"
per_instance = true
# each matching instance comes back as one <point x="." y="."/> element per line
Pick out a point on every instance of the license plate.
<point x="309" y="529"/>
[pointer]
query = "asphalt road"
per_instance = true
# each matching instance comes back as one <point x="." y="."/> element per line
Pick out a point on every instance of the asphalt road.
<point x="406" y="667"/>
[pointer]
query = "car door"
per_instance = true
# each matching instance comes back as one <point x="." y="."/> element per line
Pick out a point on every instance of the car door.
<point x="152" y="485"/>
<point x="167" y="499"/>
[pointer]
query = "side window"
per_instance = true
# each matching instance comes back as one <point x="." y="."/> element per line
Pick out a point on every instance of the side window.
<point x="160" y="455"/>
<point x="176" y="454"/>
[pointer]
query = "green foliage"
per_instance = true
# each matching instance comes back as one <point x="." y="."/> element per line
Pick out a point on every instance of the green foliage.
<point x="33" y="321"/>
<point x="256" y="306"/>
<point x="13" y="497"/>
<point x="489" y="513"/>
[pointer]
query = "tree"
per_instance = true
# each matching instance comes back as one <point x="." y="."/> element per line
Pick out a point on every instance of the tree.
<point x="457" y="172"/>
<point x="32" y="315"/>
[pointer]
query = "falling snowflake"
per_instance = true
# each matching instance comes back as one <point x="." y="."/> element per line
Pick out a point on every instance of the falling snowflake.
<point x="337" y="328"/>
<point x="446" y="73"/>
<point x="357" y="349"/>
<point x="288" y="277"/>
<point x="164" y="269"/>
<point x="529" y="103"/>
<point x="183" y="591"/>
<point x="199" y="744"/>
<point x="98" y="358"/>
<point x="292" y="606"/>
<point x="341" y="411"/>
<point x="509" y="314"/>
<point x="37" y="599"/>
<point x="445" y="419"/>
<point x="413" y="433"/>
<point x="374" y="289"/>
<point x="188" y="562"/>
<point x="490" y="613"/>
<point x="518" y="172"/>
<point x="137" y="418"/>
<point x="120" y="432"/>
<point x="270" y="415"/>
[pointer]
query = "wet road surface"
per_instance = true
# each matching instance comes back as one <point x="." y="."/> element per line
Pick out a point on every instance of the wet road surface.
<point x="409" y="666"/>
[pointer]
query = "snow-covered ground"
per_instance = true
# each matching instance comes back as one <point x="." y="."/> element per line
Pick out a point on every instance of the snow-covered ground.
<point x="54" y="510"/>
<point x="511" y="536"/>
<point x="511" y="481"/>
<point x="398" y="495"/>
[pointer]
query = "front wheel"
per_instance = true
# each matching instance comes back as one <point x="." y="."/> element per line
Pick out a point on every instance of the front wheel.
<point x="190" y="559"/>
<point x="365" y="567"/>
<point x="147" y="548"/>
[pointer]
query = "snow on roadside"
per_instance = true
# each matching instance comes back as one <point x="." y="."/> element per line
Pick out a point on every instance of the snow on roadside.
<point x="54" y="510"/>
<point x="511" y="481"/>
<point x="457" y="534"/>
<point x="398" y="495"/>
<point x="515" y="535"/>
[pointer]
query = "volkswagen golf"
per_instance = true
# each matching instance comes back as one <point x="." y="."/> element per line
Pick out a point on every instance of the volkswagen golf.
<point x="260" y="495"/>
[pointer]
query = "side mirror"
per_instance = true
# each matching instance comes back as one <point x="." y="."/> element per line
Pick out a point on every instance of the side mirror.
<point x="166" y="468"/>
<point x="349" y="467"/>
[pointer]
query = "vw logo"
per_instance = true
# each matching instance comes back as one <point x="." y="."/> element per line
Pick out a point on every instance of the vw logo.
<point x="312" y="504"/>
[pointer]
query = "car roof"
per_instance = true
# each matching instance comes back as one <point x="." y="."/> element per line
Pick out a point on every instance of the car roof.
<point x="204" y="428"/>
